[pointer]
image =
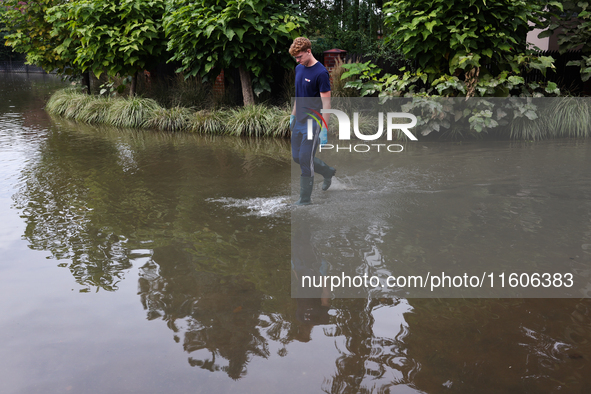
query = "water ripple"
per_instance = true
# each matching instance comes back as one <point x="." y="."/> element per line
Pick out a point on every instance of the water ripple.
<point x="271" y="206"/>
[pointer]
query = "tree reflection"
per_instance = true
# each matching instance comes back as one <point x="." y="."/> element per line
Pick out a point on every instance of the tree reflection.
<point x="57" y="203"/>
<point x="224" y="315"/>
<point x="91" y="199"/>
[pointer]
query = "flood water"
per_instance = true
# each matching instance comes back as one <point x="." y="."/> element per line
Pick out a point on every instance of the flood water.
<point x="144" y="262"/>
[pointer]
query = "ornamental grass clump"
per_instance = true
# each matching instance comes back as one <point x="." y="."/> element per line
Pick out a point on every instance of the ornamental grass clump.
<point x="570" y="117"/>
<point x="95" y="111"/>
<point x="556" y="118"/>
<point x="279" y="122"/>
<point x="170" y="119"/>
<point x="58" y="101"/>
<point x="77" y="104"/>
<point x="67" y="102"/>
<point x="208" y="122"/>
<point x="523" y="128"/>
<point x="132" y="112"/>
<point x="250" y="121"/>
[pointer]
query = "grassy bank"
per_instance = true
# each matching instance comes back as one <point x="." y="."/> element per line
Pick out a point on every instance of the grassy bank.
<point x="516" y="118"/>
<point x="253" y="121"/>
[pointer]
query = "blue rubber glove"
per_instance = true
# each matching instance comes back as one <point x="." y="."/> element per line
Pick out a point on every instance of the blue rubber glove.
<point x="323" y="136"/>
<point x="291" y="121"/>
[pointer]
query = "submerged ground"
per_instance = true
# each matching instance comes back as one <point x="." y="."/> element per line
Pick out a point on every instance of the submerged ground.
<point x="149" y="262"/>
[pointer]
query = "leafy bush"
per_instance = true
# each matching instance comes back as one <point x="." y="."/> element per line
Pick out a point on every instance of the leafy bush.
<point x="116" y="37"/>
<point x="438" y="33"/>
<point x="358" y="42"/>
<point x="338" y="88"/>
<point x="46" y="43"/>
<point x="370" y="80"/>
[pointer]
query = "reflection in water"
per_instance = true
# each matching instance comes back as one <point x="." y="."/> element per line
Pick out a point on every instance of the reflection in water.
<point x="91" y="200"/>
<point x="219" y="319"/>
<point x="367" y="361"/>
<point x="500" y="345"/>
<point x="370" y="362"/>
<point x="205" y="223"/>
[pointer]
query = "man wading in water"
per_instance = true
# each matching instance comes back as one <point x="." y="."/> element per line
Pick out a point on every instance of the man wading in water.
<point x="312" y="91"/>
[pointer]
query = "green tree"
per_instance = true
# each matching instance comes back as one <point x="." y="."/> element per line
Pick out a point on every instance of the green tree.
<point x="439" y="33"/>
<point x="116" y="37"/>
<point x="5" y="51"/>
<point x="574" y="21"/>
<point x="30" y="33"/>
<point x="207" y="36"/>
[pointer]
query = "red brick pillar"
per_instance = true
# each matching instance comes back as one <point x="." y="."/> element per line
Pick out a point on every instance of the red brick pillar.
<point x="218" y="85"/>
<point x="330" y="57"/>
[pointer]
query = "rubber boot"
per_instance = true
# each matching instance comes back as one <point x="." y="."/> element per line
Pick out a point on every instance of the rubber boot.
<point x="306" y="186"/>
<point x="326" y="171"/>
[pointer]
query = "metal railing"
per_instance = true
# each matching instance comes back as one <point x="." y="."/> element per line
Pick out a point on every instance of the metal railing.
<point x="19" y="66"/>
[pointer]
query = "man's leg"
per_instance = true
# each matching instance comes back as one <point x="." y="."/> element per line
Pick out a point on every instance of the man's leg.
<point x="298" y="134"/>
<point x="325" y="170"/>
<point x="307" y="148"/>
<point x="305" y="157"/>
<point x="296" y="141"/>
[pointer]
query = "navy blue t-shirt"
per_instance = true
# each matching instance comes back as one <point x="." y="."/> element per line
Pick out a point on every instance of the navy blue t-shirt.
<point x="309" y="82"/>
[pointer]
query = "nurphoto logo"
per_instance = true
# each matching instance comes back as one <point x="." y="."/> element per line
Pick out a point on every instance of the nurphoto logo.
<point x="345" y="130"/>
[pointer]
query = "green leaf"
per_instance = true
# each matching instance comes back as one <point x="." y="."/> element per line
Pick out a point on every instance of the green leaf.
<point x="430" y="25"/>
<point x="209" y="30"/>
<point x="240" y="32"/>
<point x="575" y="63"/>
<point x="545" y="33"/>
<point x="552" y="88"/>
<point x="516" y="80"/>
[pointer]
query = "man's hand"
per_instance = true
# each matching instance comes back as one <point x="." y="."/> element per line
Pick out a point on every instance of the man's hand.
<point x="323" y="136"/>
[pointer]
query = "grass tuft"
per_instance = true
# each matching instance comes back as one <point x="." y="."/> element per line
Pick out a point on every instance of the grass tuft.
<point x="170" y="119"/>
<point x="95" y="111"/>
<point x="250" y="121"/>
<point x="208" y="122"/>
<point x="66" y="102"/>
<point x="132" y="112"/>
<point x="279" y="122"/>
<point x="561" y="117"/>
<point x="523" y="128"/>
<point x="570" y="117"/>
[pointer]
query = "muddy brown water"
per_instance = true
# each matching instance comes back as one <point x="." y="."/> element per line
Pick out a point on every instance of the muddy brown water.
<point x="143" y="262"/>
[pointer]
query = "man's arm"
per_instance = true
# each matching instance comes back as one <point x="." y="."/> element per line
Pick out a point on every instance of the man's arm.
<point x="325" y="96"/>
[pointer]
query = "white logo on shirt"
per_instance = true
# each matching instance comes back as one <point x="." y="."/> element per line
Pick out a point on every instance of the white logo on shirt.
<point x="307" y="80"/>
